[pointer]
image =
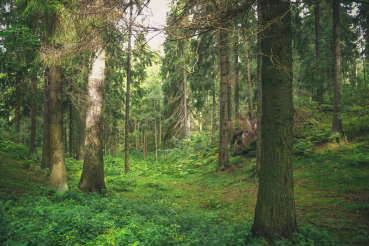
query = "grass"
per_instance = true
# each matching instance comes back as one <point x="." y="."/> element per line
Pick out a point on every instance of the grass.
<point x="184" y="200"/>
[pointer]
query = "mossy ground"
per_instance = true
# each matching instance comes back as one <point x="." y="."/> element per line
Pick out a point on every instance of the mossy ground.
<point x="331" y="186"/>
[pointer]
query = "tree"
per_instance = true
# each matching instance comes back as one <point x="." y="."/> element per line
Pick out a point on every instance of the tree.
<point x="34" y="82"/>
<point x="223" y="161"/>
<point x="92" y="179"/>
<point x="58" y="172"/>
<point x="317" y="51"/>
<point x="126" y="134"/>
<point x="275" y="207"/>
<point x="336" y="122"/>
<point x="46" y="152"/>
<point x="260" y="95"/>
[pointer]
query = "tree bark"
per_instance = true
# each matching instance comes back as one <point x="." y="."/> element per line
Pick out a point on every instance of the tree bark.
<point x="336" y="122"/>
<point x="236" y="74"/>
<point x="223" y="161"/>
<point x="92" y="179"/>
<point x="275" y="207"/>
<point x="58" y="172"/>
<point x="251" y="107"/>
<point x="260" y="96"/>
<point x="70" y="128"/>
<point x="82" y="125"/>
<point x="184" y="103"/>
<point x="46" y="152"/>
<point x="34" y="81"/>
<point x="200" y="121"/>
<point x="320" y="98"/>
<point x="213" y="120"/>
<point x="159" y="126"/>
<point x="126" y="135"/>
<point x="18" y="78"/>
<point x="156" y="135"/>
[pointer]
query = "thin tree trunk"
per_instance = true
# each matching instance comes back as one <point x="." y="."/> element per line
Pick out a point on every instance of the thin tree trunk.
<point x="317" y="51"/>
<point x="200" y="122"/>
<point x="223" y="161"/>
<point x="260" y="96"/>
<point x="92" y="179"/>
<point x="156" y="136"/>
<point x="251" y="107"/>
<point x="46" y="152"/>
<point x="82" y="125"/>
<point x="275" y="207"/>
<point x="229" y="98"/>
<point x="70" y="129"/>
<point x="58" y="172"/>
<point x="159" y="126"/>
<point x="184" y="103"/>
<point x="34" y="81"/>
<point x="126" y="135"/>
<point x="213" y="120"/>
<point x="356" y="72"/>
<point x="336" y="122"/>
<point x="19" y="77"/>
<point x="236" y="74"/>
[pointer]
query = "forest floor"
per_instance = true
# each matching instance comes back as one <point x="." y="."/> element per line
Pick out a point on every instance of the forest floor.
<point x="331" y="187"/>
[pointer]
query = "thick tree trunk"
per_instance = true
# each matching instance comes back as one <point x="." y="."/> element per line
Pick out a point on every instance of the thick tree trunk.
<point x="34" y="81"/>
<point x="46" y="152"/>
<point x="18" y="78"/>
<point x="275" y="207"/>
<point x="58" y="172"/>
<point x="223" y="161"/>
<point x="126" y="134"/>
<point x="184" y="103"/>
<point x="82" y="125"/>
<point x="92" y="179"/>
<point x="336" y="122"/>
<point x="320" y="98"/>
<point x="260" y="96"/>
<point x="236" y="74"/>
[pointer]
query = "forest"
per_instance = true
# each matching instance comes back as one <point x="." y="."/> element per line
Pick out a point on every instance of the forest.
<point x="249" y="125"/>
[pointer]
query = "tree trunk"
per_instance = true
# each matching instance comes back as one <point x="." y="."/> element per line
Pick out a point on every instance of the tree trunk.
<point x="18" y="78"/>
<point x="200" y="121"/>
<point x="251" y="107"/>
<point x="82" y="125"/>
<point x="320" y="98"/>
<point x="336" y="122"/>
<point x="34" y="81"/>
<point x="126" y="135"/>
<point x="213" y="120"/>
<point x="229" y="98"/>
<point x="58" y="172"/>
<point x="70" y="129"/>
<point x="46" y="152"/>
<point x="156" y="136"/>
<point x="159" y="126"/>
<point x="223" y="161"/>
<point x="92" y="179"/>
<point x="236" y="73"/>
<point x="275" y="207"/>
<point x="260" y="96"/>
<point x="184" y="103"/>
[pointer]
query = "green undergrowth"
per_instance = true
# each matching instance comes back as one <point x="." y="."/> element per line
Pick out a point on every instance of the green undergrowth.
<point x="182" y="199"/>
